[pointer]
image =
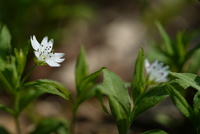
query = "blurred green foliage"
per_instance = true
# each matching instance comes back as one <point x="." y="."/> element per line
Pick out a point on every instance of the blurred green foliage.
<point x="41" y="17"/>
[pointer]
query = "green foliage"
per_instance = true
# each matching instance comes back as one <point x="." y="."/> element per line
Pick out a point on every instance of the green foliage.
<point x="85" y="83"/>
<point x="81" y="69"/>
<point x="3" y="130"/>
<point x="49" y="86"/>
<point x="191" y="79"/>
<point x="119" y="99"/>
<point x="138" y="82"/>
<point x="50" y="125"/>
<point x="149" y="99"/>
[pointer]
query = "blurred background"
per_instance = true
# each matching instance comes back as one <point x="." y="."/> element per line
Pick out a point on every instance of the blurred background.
<point x="112" y="33"/>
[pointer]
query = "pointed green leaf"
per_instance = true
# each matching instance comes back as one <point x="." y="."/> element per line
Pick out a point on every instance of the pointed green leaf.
<point x="4" y="108"/>
<point x="149" y="99"/>
<point x="5" y="41"/>
<point x="50" y="86"/>
<point x="180" y="47"/>
<point x="81" y="70"/>
<point x="138" y="82"/>
<point x="192" y="79"/>
<point x="166" y="39"/>
<point x="87" y="86"/>
<point x="180" y="102"/>
<point x="119" y="99"/>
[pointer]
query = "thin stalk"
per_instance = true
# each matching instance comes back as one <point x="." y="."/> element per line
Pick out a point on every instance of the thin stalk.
<point x="27" y="75"/>
<point x="73" y="120"/>
<point x="18" y="130"/>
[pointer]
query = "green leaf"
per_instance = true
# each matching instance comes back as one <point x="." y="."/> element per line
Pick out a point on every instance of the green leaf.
<point x="5" y="42"/>
<point x="155" y="132"/>
<point x="87" y="86"/>
<point x="191" y="79"/>
<point x="9" y="73"/>
<point x="138" y="82"/>
<point x="49" y="125"/>
<point x="166" y="39"/>
<point x="4" y="108"/>
<point x="180" y="102"/>
<point x="3" y="130"/>
<point x="21" y="59"/>
<point x="50" y="86"/>
<point x="119" y="99"/>
<point x="180" y="47"/>
<point x="149" y="99"/>
<point x="81" y="70"/>
<point x="26" y="96"/>
<point x="197" y="100"/>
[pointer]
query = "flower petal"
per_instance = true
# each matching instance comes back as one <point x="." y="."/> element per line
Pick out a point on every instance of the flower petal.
<point x="44" y="42"/>
<point x="35" y="44"/>
<point x="52" y="63"/>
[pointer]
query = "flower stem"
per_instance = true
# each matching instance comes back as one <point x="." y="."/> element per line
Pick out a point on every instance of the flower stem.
<point x="18" y="130"/>
<point x="27" y="75"/>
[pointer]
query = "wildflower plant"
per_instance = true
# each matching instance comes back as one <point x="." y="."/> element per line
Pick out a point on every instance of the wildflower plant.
<point x="127" y="100"/>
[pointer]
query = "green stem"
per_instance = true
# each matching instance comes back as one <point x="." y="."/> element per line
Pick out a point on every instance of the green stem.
<point x="27" y="75"/>
<point x="74" y="105"/>
<point x="18" y="130"/>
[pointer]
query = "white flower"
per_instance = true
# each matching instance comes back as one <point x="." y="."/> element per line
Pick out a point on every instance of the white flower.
<point x="44" y="53"/>
<point x="156" y="72"/>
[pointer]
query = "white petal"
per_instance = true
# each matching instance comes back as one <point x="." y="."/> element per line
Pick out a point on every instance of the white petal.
<point x="44" y="42"/>
<point x="37" y="54"/>
<point x="50" y="45"/>
<point x="35" y="44"/>
<point x="147" y="65"/>
<point x="52" y="63"/>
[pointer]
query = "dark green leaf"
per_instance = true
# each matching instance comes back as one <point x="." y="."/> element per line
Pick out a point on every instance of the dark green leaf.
<point x="153" y="96"/>
<point x="4" y="108"/>
<point x="180" y="102"/>
<point x="197" y="100"/>
<point x="49" y="125"/>
<point x="192" y="79"/>
<point x="81" y="70"/>
<point x="87" y="86"/>
<point x="138" y="82"/>
<point x="119" y="99"/>
<point x="155" y="132"/>
<point x="166" y="39"/>
<point x="3" y="130"/>
<point x="26" y="96"/>
<point x="180" y="47"/>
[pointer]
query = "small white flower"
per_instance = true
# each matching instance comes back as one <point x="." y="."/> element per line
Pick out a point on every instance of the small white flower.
<point x="156" y="71"/>
<point x="44" y="53"/>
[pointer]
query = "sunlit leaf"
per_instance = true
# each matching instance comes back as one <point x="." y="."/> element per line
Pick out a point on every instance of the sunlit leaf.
<point x="192" y="79"/>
